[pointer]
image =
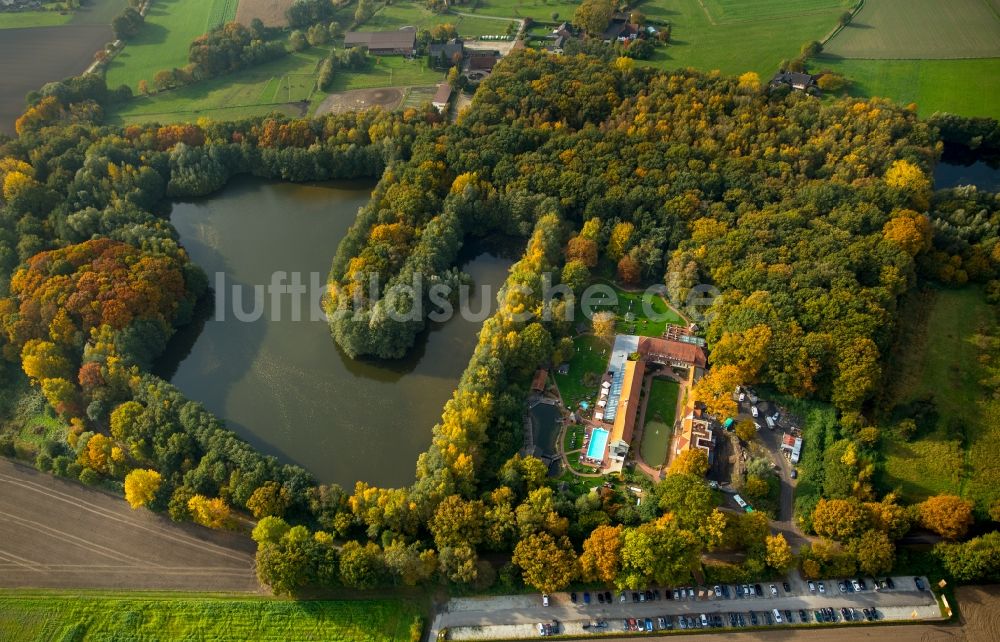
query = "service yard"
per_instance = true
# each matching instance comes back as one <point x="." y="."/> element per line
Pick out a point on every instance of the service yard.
<point x="519" y="616"/>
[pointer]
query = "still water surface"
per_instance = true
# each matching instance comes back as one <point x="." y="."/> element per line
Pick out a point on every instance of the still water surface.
<point x="284" y="385"/>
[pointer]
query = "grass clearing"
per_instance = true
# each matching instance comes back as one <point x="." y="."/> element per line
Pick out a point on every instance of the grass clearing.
<point x="920" y="29"/>
<point x="956" y="447"/>
<point x="642" y="313"/>
<point x="58" y="615"/>
<point x="966" y="87"/>
<point x="661" y="410"/>
<point x="163" y="42"/>
<point x="585" y="369"/>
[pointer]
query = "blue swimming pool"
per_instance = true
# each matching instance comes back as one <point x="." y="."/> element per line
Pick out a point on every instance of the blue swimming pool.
<point x="598" y="440"/>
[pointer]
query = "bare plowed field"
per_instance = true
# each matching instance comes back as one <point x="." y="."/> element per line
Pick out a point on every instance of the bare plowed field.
<point x="270" y="12"/>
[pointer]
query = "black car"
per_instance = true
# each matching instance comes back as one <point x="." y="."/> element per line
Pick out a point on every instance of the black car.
<point x="668" y="594"/>
<point x="890" y="583"/>
<point x="739" y="616"/>
<point x="600" y="597"/>
<point x="656" y="593"/>
<point x="767" y="618"/>
<point x="753" y="618"/>
<point x="635" y="596"/>
<point x="846" y="615"/>
<point x="920" y="584"/>
<point x="725" y="591"/>
<point x="803" y="616"/>
<point x="788" y="616"/>
<point x="759" y="590"/>
<point x="572" y="597"/>
<point x="788" y="589"/>
<point x="861" y="583"/>
<point x="649" y="596"/>
<point x="607" y="596"/>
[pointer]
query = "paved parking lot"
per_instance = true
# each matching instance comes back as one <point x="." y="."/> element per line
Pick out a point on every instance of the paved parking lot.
<point x="518" y="616"/>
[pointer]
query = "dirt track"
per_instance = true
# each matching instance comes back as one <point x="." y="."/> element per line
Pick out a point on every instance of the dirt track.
<point x="59" y="534"/>
<point x="388" y="98"/>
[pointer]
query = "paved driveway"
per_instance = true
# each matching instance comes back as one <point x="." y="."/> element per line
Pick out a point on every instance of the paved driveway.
<point x="59" y="534"/>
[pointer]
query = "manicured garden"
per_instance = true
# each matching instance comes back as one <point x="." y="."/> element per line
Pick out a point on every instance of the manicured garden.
<point x="62" y="615"/>
<point x="661" y="410"/>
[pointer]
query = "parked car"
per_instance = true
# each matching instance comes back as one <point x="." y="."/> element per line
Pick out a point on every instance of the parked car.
<point x="860" y="584"/>
<point x="774" y="591"/>
<point x="846" y="614"/>
<point x="803" y="616"/>
<point x="661" y="622"/>
<point x="600" y="597"/>
<point x="649" y="595"/>
<point x="920" y="584"/>
<point x="649" y="624"/>
<point x="690" y="593"/>
<point x="753" y="411"/>
<point x="586" y="597"/>
<point x="622" y="597"/>
<point x="856" y="585"/>
<point x="812" y="586"/>
<point x="704" y="620"/>
<point x="677" y="594"/>
<point x="788" y="616"/>
<point x="607" y="596"/>
<point x="642" y="596"/>
<point x="743" y="397"/>
<point x="777" y="616"/>
<point x="795" y="473"/>
<point x="572" y="597"/>
<point x="822" y="587"/>
<point x="545" y="599"/>
<point x="785" y="585"/>
<point x="890" y="583"/>
<point x="758" y="590"/>
<point x="717" y="590"/>
<point x="818" y="616"/>
<point x="635" y="596"/>
<point x="753" y="618"/>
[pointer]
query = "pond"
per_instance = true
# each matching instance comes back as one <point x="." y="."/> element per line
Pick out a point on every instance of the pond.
<point x="959" y="166"/>
<point x="284" y="385"/>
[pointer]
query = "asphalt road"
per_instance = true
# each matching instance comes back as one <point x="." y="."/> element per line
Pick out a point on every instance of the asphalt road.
<point x="59" y="534"/>
<point x="528" y="608"/>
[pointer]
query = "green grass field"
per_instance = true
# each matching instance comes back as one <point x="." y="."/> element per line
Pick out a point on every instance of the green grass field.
<point x="960" y="454"/>
<point x="919" y="29"/>
<point x="390" y="71"/>
<point x="966" y="87"/>
<point x="25" y="19"/>
<point x="591" y="357"/>
<point x="163" y="42"/>
<point x="50" y="615"/>
<point x="407" y="13"/>
<point x="734" y="36"/>
<point x="536" y="9"/>
<point x="661" y="410"/>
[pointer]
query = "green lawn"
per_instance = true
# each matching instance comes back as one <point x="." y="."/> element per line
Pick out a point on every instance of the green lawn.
<point x="163" y="42"/>
<point x="536" y="9"/>
<point x="661" y="410"/>
<point x="735" y="36"/>
<point x="909" y="29"/>
<point x="50" y="615"/>
<point x="389" y="71"/>
<point x="407" y="13"/>
<point x="573" y="439"/>
<point x="934" y="85"/>
<point x="641" y="313"/>
<point x="960" y="451"/>
<point x="24" y="19"/>
<point x="588" y="363"/>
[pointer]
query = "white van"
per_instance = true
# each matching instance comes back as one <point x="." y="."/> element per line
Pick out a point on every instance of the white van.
<point x="739" y="500"/>
<point x="704" y="620"/>
<point x="770" y="423"/>
<point x="777" y="616"/>
<point x="753" y="410"/>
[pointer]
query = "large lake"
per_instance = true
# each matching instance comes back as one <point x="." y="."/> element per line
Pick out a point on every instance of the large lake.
<point x="284" y="385"/>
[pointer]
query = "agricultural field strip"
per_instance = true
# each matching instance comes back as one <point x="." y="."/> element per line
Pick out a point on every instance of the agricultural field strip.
<point x="109" y="515"/>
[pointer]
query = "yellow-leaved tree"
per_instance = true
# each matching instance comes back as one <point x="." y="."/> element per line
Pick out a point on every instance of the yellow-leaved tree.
<point x="141" y="486"/>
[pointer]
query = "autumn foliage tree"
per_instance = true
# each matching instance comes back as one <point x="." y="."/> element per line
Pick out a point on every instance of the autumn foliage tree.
<point x="692" y="461"/>
<point x="547" y="563"/>
<point x="600" y="560"/>
<point x="947" y="515"/>
<point x="141" y="486"/>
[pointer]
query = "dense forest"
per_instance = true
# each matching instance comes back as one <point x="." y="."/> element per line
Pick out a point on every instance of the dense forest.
<point x="812" y="218"/>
